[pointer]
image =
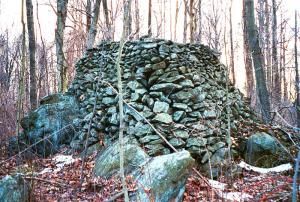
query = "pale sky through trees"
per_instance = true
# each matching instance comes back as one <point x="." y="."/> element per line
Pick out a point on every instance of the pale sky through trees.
<point x="10" y="18"/>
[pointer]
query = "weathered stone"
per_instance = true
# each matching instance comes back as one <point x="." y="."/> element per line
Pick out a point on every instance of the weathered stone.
<point x="209" y="114"/>
<point x="181" y="134"/>
<point x="14" y="189"/>
<point x="180" y="106"/>
<point x="263" y="150"/>
<point x="159" y="176"/>
<point x="107" y="162"/>
<point x="148" y="138"/>
<point x="177" y="142"/>
<point x="178" y="115"/>
<point x="54" y="117"/>
<point x="165" y="86"/>
<point x="160" y="107"/>
<point x="196" y="141"/>
<point x="163" y="118"/>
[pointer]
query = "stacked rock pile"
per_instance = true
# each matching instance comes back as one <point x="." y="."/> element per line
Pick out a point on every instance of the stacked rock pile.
<point x="182" y="89"/>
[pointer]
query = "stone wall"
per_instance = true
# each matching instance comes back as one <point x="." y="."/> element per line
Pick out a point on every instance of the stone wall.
<point x="182" y="89"/>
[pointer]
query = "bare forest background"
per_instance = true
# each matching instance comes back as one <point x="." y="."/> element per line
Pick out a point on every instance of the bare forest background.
<point x="41" y="40"/>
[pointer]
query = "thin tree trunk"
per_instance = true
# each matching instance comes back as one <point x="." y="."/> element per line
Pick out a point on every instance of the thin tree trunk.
<point x="199" y="37"/>
<point x="231" y="46"/>
<point x="21" y="73"/>
<point x="149" y="17"/>
<point x="127" y="18"/>
<point x="59" y="40"/>
<point x="93" y="29"/>
<point x="32" y="49"/>
<point x="297" y="79"/>
<point x="176" y="19"/>
<point x="276" y="78"/>
<point x="253" y="40"/>
<point x="261" y="25"/>
<point x="267" y="48"/>
<point x="185" y="24"/>
<point x="192" y="27"/>
<point x="88" y="15"/>
<point x="137" y="18"/>
<point x="107" y="22"/>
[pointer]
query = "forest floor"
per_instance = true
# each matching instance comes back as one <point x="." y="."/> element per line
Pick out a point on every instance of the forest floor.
<point x="58" y="179"/>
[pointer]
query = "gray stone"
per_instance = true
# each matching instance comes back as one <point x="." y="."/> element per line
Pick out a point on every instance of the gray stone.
<point x="149" y="45"/>
<point x="263" y="150"/>
<point x="165" y="86"/>
<point x="180" y="106"/>
<point x="209" y="114"/>
<point x="177" y="142"/>
<point x="14" y="189"/>
<point x="160" y="107"/>
<point x="181" y="134"/>
<point x="159" y="176"/>
<point x="149" y="138"/>
<point x="107" y="162"/>
<point x="196" y="141"/>
<point x="178" y="115"/>
<point x="54" y="119"/>
<point x="108" y="101"/>
<point x="163" y="118"/>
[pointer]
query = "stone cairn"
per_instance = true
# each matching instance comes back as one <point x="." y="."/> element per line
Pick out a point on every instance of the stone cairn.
<point x="182" y="89"/>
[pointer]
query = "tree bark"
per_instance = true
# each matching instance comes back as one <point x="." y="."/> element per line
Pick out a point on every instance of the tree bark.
<point x="107" y="21"/>
<point x="176" y="19"/>
<point x="192" y="26"/>
<point x="149" y="17"/>
<point x="297" y="79"/>
<point x="137" y="18"/>
<point x="32" y="49"/>
<point x="276" y="79"/>
<point x="267" y="47"/>
<point x="93" y="29"/>
<point x="185" y="24"/>
<point x="253" y="41"/>
<point x="88" y="15"/>
<point x="127" y="18"/>
<point x="199" y="37"/>
<point x="59" y="40"/>
<point x="231" y="46"/>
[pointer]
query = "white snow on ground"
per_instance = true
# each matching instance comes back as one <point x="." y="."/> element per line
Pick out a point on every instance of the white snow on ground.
<point x="60" y="162"/>
<point x="277" y="169"/>
<point x="229" y="196"/>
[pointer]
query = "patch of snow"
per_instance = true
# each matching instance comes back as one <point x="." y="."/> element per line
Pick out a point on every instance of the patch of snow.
<point x="60" y="162"/>
<point x="236" y="196"/>
<point x="217" y="185"/>
<point x="277" y="169"/>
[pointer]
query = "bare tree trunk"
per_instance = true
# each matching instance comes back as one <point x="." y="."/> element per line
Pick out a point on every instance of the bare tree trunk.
<point x="276" y="79"/>
<point x="107" y="22"/>
<point x="199" y="37"/>
<point x="176" y="19"/>
<point x="149" y="17"/>
<point x="21" y="73"/>
<point x="192" y="26"/>
<point x="137" y="18"/>
<point x="32" y="49"/>
<point x="88" y="15"/>
<point x="253" y="40"/>
<point x="297" y="79"/>
<point x="267" y="48"/>
<point x="285" y="84"/>
<point x="59" y="40"/>
<point x="93" y="29"/>
<point x="127" y="18"/>
<point x="231" y="46"/>
<point x="261" y="25"/>
<point x="185" y="24"/>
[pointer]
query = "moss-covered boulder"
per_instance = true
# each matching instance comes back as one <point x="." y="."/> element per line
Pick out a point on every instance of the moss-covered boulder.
<point x="14" y="189"/>
<point x="51" y="125"/>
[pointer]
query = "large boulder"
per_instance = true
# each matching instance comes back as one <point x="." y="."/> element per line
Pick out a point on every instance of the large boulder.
<point x="163" y="178"/>
<point x="107" y="162"/>
<point x="51" y="125"/>
<point x="263" y="150"/>
<point x="14" y="189"/>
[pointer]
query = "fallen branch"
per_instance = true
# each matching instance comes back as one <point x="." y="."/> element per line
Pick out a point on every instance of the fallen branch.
<point x="44" y="180"/>
<point x="116" y="196"/>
